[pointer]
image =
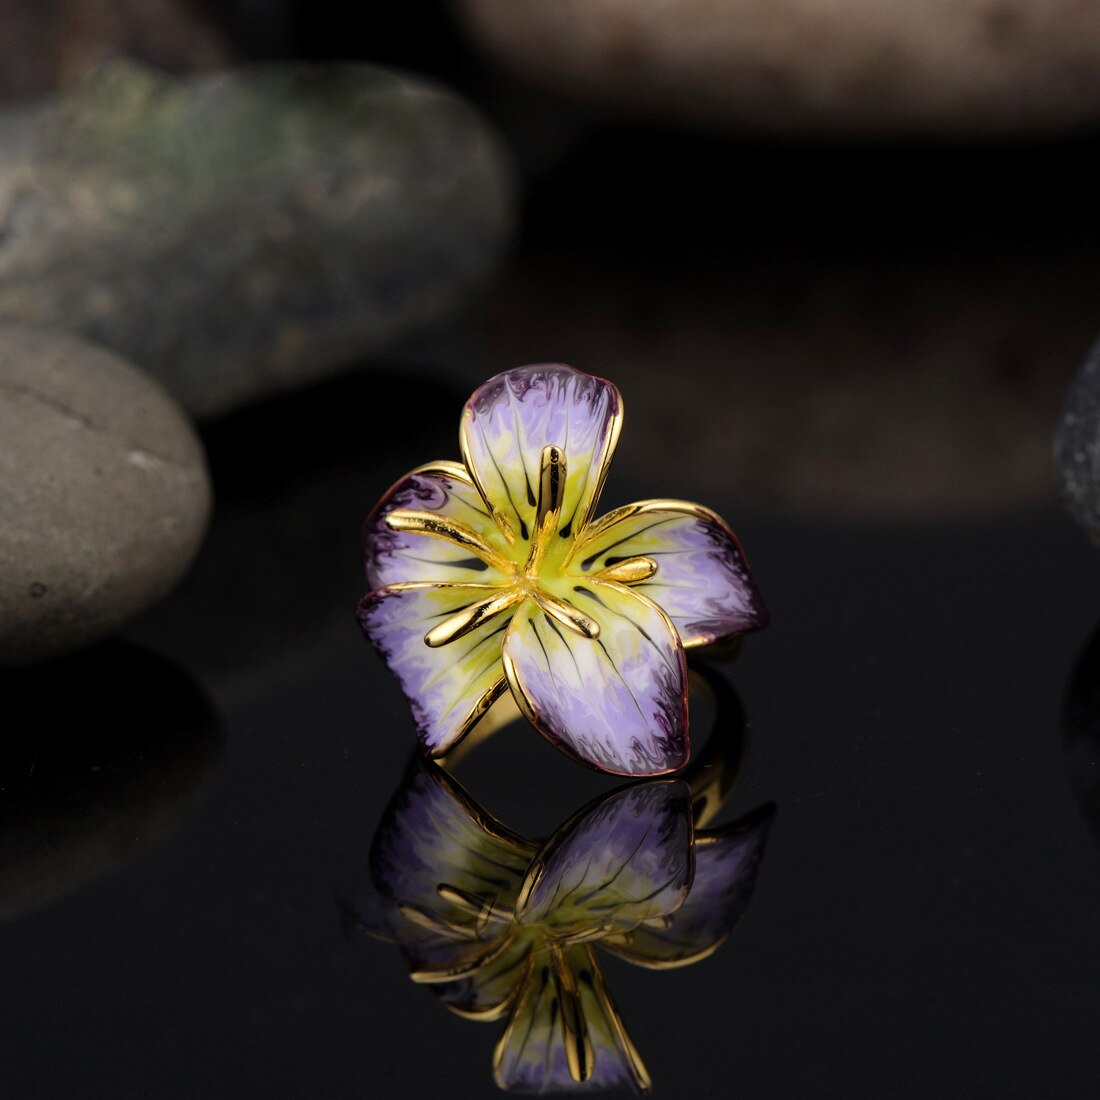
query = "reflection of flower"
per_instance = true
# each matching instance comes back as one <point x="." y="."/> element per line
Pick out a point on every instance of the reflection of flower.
<point x="500" y="926"/>
<point x="489" y="574"/>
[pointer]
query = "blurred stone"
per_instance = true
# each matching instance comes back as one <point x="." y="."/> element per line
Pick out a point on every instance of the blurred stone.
<point x="242" y="234"/>
<point x="1077" y="447"/>
<point x="933" y="66"/>
<point x="51" y="44"/>
<point x="838" y="388"/>
<point x="105" y="494"/>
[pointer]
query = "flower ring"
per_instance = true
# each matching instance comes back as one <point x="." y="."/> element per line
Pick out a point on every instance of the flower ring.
<point x="489" y="574"/>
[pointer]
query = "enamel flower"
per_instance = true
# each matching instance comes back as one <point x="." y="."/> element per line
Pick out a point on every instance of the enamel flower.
<point x="490" y="574"/>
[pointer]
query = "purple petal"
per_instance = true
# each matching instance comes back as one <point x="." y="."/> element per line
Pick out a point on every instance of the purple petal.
<point x="434" y="835"/>
<point x="702" y="581"/>
<point x="431" y="833"/>
<point x="448" y="688"/>
<point x="490" y="991"/>
<point x="427" y="948"/>
<point x="510" y="419"/>
<point x="617" y="702"/>
<point x="621" y="861"/>
<point x="393" y="557"/>
<point x="726" y="865"/>
<point x="435" y="948"/>
<point x="531" y="1055"/>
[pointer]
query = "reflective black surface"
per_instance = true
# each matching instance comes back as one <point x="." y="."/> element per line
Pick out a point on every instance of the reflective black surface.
<point x="925" y="922"/>
<point x="87" y="781"/>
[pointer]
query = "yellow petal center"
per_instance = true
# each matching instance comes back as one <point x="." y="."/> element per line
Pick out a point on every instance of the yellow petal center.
<point x="539" y="572"/>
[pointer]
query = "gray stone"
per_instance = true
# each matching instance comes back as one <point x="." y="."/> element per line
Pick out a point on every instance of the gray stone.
<point x="929" y="66"/>
<point x="241" y="234"/>
<point x="1077" y="446"/>
<point x="104" y="494"/>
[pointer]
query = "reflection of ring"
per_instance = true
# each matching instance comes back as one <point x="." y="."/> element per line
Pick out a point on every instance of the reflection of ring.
<point x="502" y="926"/>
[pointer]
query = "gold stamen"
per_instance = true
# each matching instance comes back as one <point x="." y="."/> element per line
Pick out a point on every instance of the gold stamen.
<point x="505" y="526"/>
<point x="451" y="530"/>
<point x="582" y="935"/>
<point x="424" y="920"/>
<point x="552" y="473"/>
<point x="470" y="618"/>
<point x="567" y="615"/>
<point x="472" y="904"/>
<point x="461" y="969"/>
<point x="527" y="888"/>
<point x="625" y="1043"/>
<point x="629" y="570"/>
<point x="579" y="1055"/>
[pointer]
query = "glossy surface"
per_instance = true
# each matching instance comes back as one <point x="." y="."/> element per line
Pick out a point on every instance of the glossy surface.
<point x="924" y="923"/>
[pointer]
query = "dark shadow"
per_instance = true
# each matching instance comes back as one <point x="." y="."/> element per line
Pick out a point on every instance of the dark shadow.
<point x="1081" y="732"/>
<point x="103" y="754"/>
<point x="326" y="430"/>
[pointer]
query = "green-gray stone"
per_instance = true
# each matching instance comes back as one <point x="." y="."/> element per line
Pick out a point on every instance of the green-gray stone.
<point x="238" y="234"/>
